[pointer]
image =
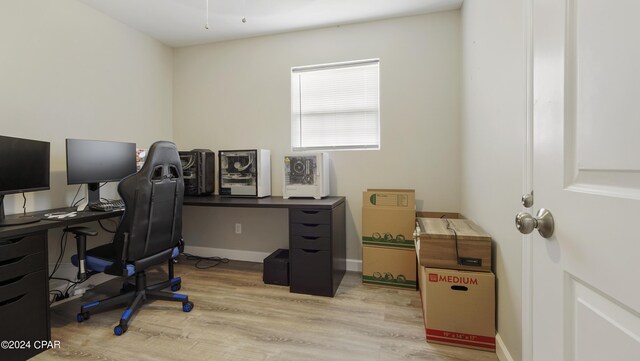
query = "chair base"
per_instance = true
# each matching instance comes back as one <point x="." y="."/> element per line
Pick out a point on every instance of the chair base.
<point x="134" y="298"/>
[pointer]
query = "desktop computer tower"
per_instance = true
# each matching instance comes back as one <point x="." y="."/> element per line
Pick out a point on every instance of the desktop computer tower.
<point x="245" y="173"/>
<point x="198" y="170"/>
<point x="306" y="175"/>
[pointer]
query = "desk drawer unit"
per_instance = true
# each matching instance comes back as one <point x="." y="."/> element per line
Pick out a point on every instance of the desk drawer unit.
<point x="24" y="293"/>
<point x="318" y="250"/>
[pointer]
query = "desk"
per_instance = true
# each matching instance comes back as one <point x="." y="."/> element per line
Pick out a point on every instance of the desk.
<point x="24" y="280"/>
<point x="317" y="242"/>
<point x="317" y="238"/>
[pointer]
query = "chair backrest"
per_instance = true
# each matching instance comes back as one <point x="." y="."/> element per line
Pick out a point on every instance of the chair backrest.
<point x="152" y="220"/>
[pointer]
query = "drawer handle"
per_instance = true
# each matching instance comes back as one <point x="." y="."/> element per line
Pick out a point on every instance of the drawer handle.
<point x="310" y="212"/>
<point x="11" y="280"/>
<point x="12" y="260"/>
<point x="11" y="300"/>
<point x="310" y="238"/>
<point x="310" y="250"/>
<point x="6" y="242"/>
<point x="310" y="225"/>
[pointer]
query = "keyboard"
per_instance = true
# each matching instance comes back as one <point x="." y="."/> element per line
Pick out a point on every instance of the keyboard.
<point x="107" y="205"/>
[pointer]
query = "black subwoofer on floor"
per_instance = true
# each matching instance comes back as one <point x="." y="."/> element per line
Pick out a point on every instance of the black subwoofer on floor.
<point x="276" y="268"/>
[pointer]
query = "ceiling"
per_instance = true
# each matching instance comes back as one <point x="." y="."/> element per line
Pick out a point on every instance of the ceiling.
<point x="182" y="22"/>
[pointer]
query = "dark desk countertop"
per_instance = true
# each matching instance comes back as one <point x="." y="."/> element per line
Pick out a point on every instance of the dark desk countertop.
<point x="204" y="201"/>
<point x="46" y="224"/>
<point x="267" y="202"/>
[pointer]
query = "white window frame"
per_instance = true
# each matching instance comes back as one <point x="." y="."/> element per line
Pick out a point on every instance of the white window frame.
<point x="297" y="121"/>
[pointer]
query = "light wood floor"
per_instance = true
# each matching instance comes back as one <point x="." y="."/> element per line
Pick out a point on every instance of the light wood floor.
<point x="237" y="317"/>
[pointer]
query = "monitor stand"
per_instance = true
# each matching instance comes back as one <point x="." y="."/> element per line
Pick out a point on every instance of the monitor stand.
<point x="93" y="196"/>
<point x="14" y="220"/>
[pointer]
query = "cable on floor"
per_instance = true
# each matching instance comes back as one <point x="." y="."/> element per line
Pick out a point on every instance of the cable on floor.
<point x="199" y="259"/>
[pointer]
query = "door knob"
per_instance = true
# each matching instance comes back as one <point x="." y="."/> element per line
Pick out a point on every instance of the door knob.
<point x="543" y="222"/>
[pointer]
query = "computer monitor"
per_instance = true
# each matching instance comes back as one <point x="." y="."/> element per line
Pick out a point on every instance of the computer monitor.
<point x="24" y="167"/>
<point x="93" y="162"/>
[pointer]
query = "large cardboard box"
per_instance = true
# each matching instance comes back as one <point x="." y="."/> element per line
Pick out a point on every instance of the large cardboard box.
<point x="389" y="267"/>
<point x="459" y="308"/>
<point x="388" y="217"/>
<point x="438" y="248"/>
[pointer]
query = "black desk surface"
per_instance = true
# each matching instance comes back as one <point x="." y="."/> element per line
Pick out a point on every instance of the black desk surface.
<point x="267" y="202"/>
<point x="46" y="224"/>
<point x="204" y="201"/>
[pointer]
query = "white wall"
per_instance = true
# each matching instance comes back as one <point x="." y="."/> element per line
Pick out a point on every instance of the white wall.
<point x="236" y="95"/>
<point x="493" y="118"/>
<point x="68" y="71"/>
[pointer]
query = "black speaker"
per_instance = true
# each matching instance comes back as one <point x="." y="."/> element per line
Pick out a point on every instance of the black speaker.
<point x="198" y="169"/>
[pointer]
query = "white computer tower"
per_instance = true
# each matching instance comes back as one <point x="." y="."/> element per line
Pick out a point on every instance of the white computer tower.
<point x="245" y="173"/>
<point x="306" y="175"/>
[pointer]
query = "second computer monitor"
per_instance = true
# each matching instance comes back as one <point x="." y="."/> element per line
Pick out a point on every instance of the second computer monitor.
<point x="95" y="161"/>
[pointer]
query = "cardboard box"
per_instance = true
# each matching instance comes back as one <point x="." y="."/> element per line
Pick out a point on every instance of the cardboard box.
<point x="459" y="308"/>
<point x="389" y="267"/>
<point x="388" y="217"/>
<point x="437" y="244"/>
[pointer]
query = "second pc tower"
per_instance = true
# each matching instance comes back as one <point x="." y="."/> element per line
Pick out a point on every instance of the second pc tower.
<point x="245" y="173"/>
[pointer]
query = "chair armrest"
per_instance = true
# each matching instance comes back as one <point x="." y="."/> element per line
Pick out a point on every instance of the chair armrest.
<point x="81" y="234"/>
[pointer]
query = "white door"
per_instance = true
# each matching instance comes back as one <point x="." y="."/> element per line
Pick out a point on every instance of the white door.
<point x="586" y="171"/>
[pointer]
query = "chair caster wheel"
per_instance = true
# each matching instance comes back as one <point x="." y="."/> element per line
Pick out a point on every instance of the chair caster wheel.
<point x="187" y="306"/>
<point x="176" y="288"/>
<point x="82" y="316"/>
<point x="119" y="330"/>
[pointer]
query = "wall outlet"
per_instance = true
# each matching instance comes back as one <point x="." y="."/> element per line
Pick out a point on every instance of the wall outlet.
<point x="238" y="228"/>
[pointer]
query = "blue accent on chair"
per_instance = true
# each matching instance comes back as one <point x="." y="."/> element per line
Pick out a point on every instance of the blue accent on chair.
<point x="177" y="295"/>
<point x="91" y="304"/>
<point x="126" y="314"/>
<point x="176" y="279"/>
<point x="99" y="264"/>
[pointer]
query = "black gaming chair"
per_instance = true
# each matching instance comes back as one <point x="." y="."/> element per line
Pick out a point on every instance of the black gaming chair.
<point x="149" y="234"/>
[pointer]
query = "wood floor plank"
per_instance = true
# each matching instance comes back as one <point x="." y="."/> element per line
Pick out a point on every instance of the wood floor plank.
<point x="238" y="317"/>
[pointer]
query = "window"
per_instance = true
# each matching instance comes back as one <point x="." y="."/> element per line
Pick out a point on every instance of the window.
<point x="335" y="106"/>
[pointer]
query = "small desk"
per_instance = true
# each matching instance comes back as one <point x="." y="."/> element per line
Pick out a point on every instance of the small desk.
<point x="24" y="279"/>
<point x="317" y="238"/>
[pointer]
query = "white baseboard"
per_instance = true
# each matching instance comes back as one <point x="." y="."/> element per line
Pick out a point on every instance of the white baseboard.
<point x="354" y="265"/>
<point x="250" y="256"/>
<point x="501" y="350"/>
<point x="234" y="254"/>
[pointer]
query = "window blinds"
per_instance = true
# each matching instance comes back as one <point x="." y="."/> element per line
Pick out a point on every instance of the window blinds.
<point x="335" y="106"/>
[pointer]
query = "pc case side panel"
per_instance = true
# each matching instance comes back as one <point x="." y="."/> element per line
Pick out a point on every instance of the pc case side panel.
<point x="264" y="169"/>
<point x="206" y="171"/>
<point x="222" y="190"/>
<point x="198" y="171"/>
<point x="325" y="184"/>
<point x="245" y="173"/>
<point x="237" y="171"/>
